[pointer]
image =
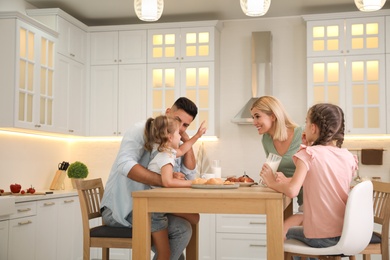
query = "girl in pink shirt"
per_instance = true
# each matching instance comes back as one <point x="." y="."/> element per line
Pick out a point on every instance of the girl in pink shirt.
<point x="325" y="170"/>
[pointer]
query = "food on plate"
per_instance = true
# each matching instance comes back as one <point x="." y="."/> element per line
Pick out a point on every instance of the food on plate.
<point x="244" y="178"/>
<point x="214" y="181"/>
<point x="15" y="188"/>
<point x="228" y="182"/>
<point x="199" y="181"/>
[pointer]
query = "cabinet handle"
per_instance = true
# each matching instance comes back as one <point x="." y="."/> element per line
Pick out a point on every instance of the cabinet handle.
<point x="120" y="60"/>
<point x="254" y="245"/>
<point x="24" y="210"/>
<point x="68" y="201"/>
<point x="119" y="133"/>
<point x="115" y="61"/>
<point x="72" y="55"/>
<point x="71" y="130"/>
<point x="255" y="223"/>
<point x="37" y="125"/>
<point x="49" y="203"/>
<point x="24" y="222"/>
<point x="114" y="133"/>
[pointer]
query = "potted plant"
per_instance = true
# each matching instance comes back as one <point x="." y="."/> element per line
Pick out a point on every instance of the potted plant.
<point x="77" y="170"/>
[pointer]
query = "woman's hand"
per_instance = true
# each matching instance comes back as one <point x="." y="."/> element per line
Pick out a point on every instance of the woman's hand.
<point x="267" y="175"/>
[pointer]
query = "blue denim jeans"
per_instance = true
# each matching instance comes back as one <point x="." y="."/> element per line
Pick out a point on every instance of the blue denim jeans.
<point x="297" y="233"/>
<point x="179" y="232"/>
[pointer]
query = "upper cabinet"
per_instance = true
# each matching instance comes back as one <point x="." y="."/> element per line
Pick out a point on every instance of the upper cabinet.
<point x="28" y="58"/>
<point x="118" y="47"/>
<point x="183" y="62"/>
<point x="72" y="36"/>
<point x="346" y="66"/>
<point x="181" y="45"/>
<point x="352" y="36"/>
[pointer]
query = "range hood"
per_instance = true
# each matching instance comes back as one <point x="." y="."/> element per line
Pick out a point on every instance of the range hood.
<point x="261" y="52"/>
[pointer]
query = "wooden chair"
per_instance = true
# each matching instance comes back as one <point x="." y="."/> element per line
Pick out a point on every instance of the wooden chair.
<point x="90" y="194"/>
<point x="379" y="243"/>
<point x="357" y="229"/>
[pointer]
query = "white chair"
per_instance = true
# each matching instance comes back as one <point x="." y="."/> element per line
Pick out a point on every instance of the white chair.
<point x="356" y="233"/>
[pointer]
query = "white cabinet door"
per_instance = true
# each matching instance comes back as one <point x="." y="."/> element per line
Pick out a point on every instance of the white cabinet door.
<point x="241" y="246"/>
<point x="46" y="235"/>
<point x="70" y="96"/>
<point x="103" y="104"/>
<point x="72" y="40"/>
<point x="69" y="236"/>
<point x="118" y="98"/>
<point x="207" y="237"/>
<point x="124" y="47"/>
<point x="4" y="239"/>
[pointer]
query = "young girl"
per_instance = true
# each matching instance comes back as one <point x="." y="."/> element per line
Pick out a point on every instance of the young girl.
<point x="325" y="170"/>
<point x="162" y="139"/>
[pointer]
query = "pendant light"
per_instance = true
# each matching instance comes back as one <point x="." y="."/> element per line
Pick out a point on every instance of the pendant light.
<point x="255" y="7"/>
<point x="369" y="5"/>
<point x="149" y="10"/>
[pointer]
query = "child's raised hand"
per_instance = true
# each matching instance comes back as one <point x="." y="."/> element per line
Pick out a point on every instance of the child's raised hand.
<point x="202" y="129"/>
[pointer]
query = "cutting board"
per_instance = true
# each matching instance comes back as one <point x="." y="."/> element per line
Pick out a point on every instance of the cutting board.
<point x="58" y="180"/>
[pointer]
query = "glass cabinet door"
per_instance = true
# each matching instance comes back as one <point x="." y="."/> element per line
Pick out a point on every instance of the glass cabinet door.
<point x="164" y="45"/>
<point x="365" y="86"/>
<point x="26" y="75"/>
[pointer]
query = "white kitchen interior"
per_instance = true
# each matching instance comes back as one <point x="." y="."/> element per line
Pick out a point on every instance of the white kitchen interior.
<point x="32" y="159"/>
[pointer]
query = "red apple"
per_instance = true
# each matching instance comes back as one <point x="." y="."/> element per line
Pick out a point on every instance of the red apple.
<point x="15" y="188"/>
<point x="1" y="191"/>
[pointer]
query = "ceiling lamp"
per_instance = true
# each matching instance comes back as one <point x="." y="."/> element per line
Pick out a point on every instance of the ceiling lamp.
<point x="255" y="7"/>
<point x="149" y="10"/>
<point x="369" y="5"/>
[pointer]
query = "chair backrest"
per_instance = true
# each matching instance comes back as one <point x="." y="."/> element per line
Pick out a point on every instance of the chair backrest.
<point x="358" y="220"/>
<point x="90" y="195"/>
<point x="382" y="205"/>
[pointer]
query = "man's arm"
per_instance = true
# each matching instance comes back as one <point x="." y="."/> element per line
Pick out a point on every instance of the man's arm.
<point x="141" y="174"/>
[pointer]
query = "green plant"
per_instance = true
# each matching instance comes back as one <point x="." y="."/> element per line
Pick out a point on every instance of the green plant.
<point x="77" y="170"/>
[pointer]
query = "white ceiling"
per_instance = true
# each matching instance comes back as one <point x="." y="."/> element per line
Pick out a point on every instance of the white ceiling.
<point x="110" y="12"/>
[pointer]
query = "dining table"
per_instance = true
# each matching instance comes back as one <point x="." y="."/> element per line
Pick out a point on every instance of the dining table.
<point x="241" y="200"/>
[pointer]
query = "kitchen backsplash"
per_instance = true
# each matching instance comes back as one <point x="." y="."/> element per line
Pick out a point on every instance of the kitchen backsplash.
<point x="33" y="160"/>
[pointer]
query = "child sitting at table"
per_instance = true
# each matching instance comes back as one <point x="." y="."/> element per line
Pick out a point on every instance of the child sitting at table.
<point x="162" y="139"/>
<point x="325" y="170"/>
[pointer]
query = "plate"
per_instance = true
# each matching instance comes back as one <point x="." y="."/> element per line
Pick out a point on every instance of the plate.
<point x="215" y="186"/>
<point x="245" y="184"/>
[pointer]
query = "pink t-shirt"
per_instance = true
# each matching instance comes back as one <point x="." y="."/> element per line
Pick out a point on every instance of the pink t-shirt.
<point x="326" y="188"/>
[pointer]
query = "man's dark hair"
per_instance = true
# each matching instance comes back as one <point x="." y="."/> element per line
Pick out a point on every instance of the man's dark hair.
<point x="187" y="105"/>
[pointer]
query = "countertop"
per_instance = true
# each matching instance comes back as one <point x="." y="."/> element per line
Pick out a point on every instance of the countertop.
<point x="56" y="194"/>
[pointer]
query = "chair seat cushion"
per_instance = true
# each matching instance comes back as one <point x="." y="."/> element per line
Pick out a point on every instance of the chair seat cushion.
<point x="375" y="239"/>
<point x="106" y="231"/>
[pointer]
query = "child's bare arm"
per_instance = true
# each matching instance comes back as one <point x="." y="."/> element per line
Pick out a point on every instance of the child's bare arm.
<point x="186" y="146"/>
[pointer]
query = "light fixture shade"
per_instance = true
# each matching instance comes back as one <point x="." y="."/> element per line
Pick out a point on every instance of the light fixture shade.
<point x="369" y="5"/>
<point x="255" y="7"/>
<point x="148" y="10"/>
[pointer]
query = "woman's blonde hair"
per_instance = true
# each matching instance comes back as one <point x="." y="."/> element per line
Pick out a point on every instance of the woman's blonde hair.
<point x="157" y="130"/>
<point x="272" y="106"/>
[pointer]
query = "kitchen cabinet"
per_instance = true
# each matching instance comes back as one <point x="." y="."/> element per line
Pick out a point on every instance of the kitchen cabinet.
<point x="346" y="66"/>
<point x="117" y="98"/>
<point x="241" y="237"/>
<point x="4" y="239"/>
<point x="56" y="219"/>
<point x="22" y="231"/>
<point x="182" y="44"/>
<point x="72" y="38"/>
<point x="28" y="73"/>
<point x="207" y="237"/>
<point x="71" y="96"/>
<point x="118" y="47"/>
<point x="184" y="62"/>
<point x="352" y="36"/>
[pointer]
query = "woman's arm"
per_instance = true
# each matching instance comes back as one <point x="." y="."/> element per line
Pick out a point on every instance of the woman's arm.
<point x="291" y="189"/>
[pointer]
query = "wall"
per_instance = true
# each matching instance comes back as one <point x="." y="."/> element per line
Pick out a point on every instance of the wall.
<point x="33" y="160"/>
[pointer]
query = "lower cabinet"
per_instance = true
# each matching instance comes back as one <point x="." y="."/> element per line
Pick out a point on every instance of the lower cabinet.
<point x="4" y="239"/>
<point x="232" y="236"/>
<point x="43" y="229"/>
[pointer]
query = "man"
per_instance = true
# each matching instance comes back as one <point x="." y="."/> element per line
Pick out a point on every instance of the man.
<point x="129" y="173"/>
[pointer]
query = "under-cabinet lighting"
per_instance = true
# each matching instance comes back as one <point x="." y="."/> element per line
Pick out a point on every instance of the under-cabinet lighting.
<point x="366" y="137"/>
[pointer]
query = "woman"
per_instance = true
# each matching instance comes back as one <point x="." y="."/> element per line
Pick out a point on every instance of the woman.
<point x="281" y="136"/>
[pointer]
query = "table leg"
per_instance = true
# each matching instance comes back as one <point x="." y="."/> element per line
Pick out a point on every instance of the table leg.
<point x="274" y="211"/>
<point x="141" y="229"/>
<point x="193" y="246"/>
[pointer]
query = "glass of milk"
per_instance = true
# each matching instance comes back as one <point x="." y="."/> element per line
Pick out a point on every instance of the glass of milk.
<point x="273" y="160"/>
